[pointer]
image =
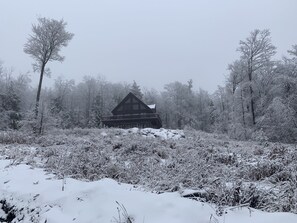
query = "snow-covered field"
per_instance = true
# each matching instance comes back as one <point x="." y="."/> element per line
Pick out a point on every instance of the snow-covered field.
<point x="38" y="197"/>
<point x="65" y="176"/>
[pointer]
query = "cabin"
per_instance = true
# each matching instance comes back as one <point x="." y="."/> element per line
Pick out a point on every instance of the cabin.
<point x="132" y="112"/>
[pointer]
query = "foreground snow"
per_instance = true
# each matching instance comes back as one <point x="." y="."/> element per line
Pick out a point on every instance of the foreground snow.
<point x="39" y="198"/>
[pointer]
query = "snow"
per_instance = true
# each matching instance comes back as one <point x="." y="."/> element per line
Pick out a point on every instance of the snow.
<point x="2" y="213"/>
<point x="41" y="195"/>
<point x="103" y="133"/>
<point x="154" y="133"/>
<point x="153" y="106"/>
<point x="162" y="133"/>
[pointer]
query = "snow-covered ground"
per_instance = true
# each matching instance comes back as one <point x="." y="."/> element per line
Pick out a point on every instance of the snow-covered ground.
<point x="39" y="197"/>
<point x="159" y="167"/>
<point x="156" y="133"/>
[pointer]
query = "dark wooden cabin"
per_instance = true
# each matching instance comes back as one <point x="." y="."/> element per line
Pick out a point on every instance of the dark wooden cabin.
<point x="132" y="112"/>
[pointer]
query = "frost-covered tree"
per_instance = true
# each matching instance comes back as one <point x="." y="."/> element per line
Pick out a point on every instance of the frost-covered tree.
<point x="235" y="91"/>
<point x="1" y="68"/>
<point x="221" y="112"/>
<point x="257" y="51"/>
<point x="279" y="122"/>
<point x="44" y="44"/>
<point x="284" y="88"/>
<point x="200" y="111"/>
<point x="135" y="89"/>
<point x="180" y="106"/>
<point x="10" y="114"/>
<point x="247" y="93"/>
<point x="174" y="102"/>
<point x="60" y="102"/>
<point x="293" y="51"/>
<point x="13" y="98"/>
<point x="150" y="96"/>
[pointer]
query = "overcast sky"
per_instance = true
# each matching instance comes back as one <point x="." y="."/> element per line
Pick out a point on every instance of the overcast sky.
<point x="153" y="42"/>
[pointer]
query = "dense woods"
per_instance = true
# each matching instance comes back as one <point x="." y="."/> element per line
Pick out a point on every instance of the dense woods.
<point x="258" y="100"/>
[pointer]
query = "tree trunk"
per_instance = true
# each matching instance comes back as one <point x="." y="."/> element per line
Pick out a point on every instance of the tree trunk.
<point x="243" y="116"/>
<point x="41" y="121"/>
<point x="39" y="90"/>
<point x="250" y="73"/>
<point x="179" y="122"/>
<point x="252" y="106"/>
<point x="242" y="108"/>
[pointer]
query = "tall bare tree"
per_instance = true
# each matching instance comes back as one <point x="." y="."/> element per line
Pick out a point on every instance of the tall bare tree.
<point x="257" y="51"/>
<point x="44" y="45"/>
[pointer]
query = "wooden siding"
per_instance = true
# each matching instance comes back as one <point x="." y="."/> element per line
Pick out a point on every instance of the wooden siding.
<point x="132" y="112"/>
<point x="131" y="105"/>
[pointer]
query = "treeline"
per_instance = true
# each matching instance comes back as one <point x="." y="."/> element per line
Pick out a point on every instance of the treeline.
<point x="258" y="101"/>
<point x="69" y="105"/>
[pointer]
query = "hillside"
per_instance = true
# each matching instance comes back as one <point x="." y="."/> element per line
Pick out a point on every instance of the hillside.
<point x="216" y="172"/>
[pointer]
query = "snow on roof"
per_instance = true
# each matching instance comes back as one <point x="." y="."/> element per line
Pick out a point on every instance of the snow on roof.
<point x="152" y="106"/>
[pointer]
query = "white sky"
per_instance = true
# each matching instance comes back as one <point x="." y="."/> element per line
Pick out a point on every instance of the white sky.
<point x="153" y="42"/>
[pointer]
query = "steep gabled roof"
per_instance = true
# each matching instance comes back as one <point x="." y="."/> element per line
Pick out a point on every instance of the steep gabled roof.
<point x="131" y="105"/>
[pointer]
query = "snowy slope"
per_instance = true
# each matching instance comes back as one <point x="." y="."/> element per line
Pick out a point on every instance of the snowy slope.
<point x="39" y="198"/>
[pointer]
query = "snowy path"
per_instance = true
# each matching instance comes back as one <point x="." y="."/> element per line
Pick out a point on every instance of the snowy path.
<point x="41" y="197"/>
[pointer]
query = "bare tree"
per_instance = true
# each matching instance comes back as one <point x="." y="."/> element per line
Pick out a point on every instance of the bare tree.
<point x="256" y="51"/>
<point x="44" y="45"/>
